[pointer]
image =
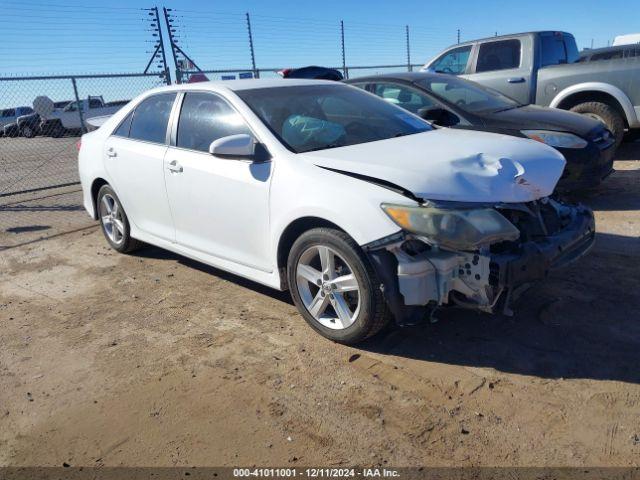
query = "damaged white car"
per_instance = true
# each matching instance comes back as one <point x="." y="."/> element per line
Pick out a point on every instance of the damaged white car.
<point x="365" y="212"/>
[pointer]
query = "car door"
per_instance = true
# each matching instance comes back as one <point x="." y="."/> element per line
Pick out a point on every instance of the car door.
<point x="502" y="65"/>
<point x="134" y="156"/>
<point x="220" y="205"/>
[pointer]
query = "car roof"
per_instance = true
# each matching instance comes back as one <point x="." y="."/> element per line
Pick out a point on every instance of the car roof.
<point x="406" y="76"/>
<point x="244" y="84"/>
<point x="502" y="37"/>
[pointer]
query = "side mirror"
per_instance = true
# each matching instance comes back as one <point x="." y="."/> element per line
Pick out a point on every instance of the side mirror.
<point x="439" y="116"/>
<point x="234" y="146"/>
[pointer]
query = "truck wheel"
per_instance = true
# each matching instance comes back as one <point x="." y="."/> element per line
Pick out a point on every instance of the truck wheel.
<point x="56" y="130"/>
<point x="28" y="132"/>
<point x="335" y="287"/>
<point x="606" y="114"/>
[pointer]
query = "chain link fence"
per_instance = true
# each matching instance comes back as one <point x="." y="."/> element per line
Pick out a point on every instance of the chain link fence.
<point x="42" y="115"/>
<point x="38" y="146"/>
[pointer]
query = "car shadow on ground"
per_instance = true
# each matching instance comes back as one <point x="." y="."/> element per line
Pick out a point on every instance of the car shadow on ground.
<point x="628" y="151"/>
<point x="157" y="253"/>
<point x="582" y="322"/>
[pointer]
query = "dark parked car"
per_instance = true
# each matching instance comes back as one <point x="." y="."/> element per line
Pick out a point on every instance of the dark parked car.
<point x="312" y="72"/>
<point x="450" y="101"/>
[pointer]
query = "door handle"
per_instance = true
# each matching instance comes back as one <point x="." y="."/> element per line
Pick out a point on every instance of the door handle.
<point x="516" y="80"/>
<point x="175" y="167"/>
<point x="111" y="152"/>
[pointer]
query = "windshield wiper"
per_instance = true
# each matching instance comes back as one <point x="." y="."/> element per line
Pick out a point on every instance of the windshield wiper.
<point x="324" y="147"/>
<point x="512" y="107"/>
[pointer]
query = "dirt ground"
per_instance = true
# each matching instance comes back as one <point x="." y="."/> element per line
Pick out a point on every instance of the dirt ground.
<point x="155" y="360"/>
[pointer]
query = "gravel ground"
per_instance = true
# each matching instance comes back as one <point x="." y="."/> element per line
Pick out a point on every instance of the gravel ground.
<point x="155" y="360"/>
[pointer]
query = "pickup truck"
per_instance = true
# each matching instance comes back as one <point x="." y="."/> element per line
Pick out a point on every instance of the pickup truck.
<point x="543" y="68"/>
<point x="57" y="122"/>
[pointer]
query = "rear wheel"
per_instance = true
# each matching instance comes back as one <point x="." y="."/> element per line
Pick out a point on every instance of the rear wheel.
<point x="114" y="221"/>
<point x="28" y="131"/>
<point x="335" y="287"/>
<point x="604" y="113"/>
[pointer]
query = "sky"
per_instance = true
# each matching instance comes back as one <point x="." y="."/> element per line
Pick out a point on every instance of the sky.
<point x="66" y="36"/>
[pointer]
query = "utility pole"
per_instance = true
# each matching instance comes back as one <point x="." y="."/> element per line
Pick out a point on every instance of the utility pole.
<point x="175" y="49"/>
<point x="256" y="73"/>
<point x="165" y="68"/>
<point x="406" y="29"/>
<point x="344" y="61"/>
<point x="458" y="35"/>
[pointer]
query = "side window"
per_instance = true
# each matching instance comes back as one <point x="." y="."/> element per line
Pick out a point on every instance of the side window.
<point x="499" y="55"/>
<point x="151" y="117"/>
<point x="403" y="96"/>
<point x="454" y="61"/>
<point x="124" y="127"/>
<point x="206" y="117"/>
<point x="9" y="112"/>
<point x="95" y="103"/>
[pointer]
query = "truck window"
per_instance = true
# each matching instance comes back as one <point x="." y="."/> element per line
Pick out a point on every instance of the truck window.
<point x="454" y="61"/>
<point x="94" y="103"/>
<point x="499" y="55"/>
<point x="557" y="48"/>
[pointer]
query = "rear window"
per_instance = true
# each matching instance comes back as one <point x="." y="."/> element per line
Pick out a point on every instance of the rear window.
<point x="499" y="55"/>
<point x="151" y="117"/>
<point x="558" y="48"/>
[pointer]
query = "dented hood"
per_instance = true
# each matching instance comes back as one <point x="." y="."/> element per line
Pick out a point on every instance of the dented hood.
<point x="453" y="165"/>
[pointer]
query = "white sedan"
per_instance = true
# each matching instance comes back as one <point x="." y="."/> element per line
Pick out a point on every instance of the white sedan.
<point x="362" y="210"/>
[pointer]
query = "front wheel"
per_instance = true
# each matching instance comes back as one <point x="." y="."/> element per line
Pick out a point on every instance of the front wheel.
<point x="335" y="287"/>
<point x="114" y="221"/>
<point x="28" y="131"/>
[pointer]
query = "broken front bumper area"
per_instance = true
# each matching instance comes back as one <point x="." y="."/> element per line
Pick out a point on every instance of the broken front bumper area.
<point x="417" y="277"/>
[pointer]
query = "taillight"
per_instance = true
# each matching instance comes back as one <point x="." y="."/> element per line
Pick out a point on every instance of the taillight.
<point x="284" y="73"/>
<point x="79" y="144"/>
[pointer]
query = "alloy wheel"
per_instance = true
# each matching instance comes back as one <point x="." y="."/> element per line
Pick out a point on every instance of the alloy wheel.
<point x="328" y="287"/>
<point x="111" y="219"/>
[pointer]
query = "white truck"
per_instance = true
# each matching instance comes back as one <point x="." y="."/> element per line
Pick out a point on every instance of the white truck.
<point x="74" y="116"/>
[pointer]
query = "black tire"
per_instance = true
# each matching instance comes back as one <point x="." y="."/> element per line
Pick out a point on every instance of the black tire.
<point x="127" y="244"/>
<point x="28" y="131"/>
<point x="56" y="130"/>
<point x="608" y="114"/>
<point x="373" y="315"/>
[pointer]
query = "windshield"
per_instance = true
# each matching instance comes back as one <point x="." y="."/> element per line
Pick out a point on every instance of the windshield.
<point x="317" y="117"/>
<point x="468" y="96"/>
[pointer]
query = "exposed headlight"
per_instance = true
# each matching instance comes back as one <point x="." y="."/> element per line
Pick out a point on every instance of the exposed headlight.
<point x="454" y="229"/>
<point x="556" y="139"/>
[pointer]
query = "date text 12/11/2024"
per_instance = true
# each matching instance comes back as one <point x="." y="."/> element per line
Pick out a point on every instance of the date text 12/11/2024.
<point x="316" y="472"/>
